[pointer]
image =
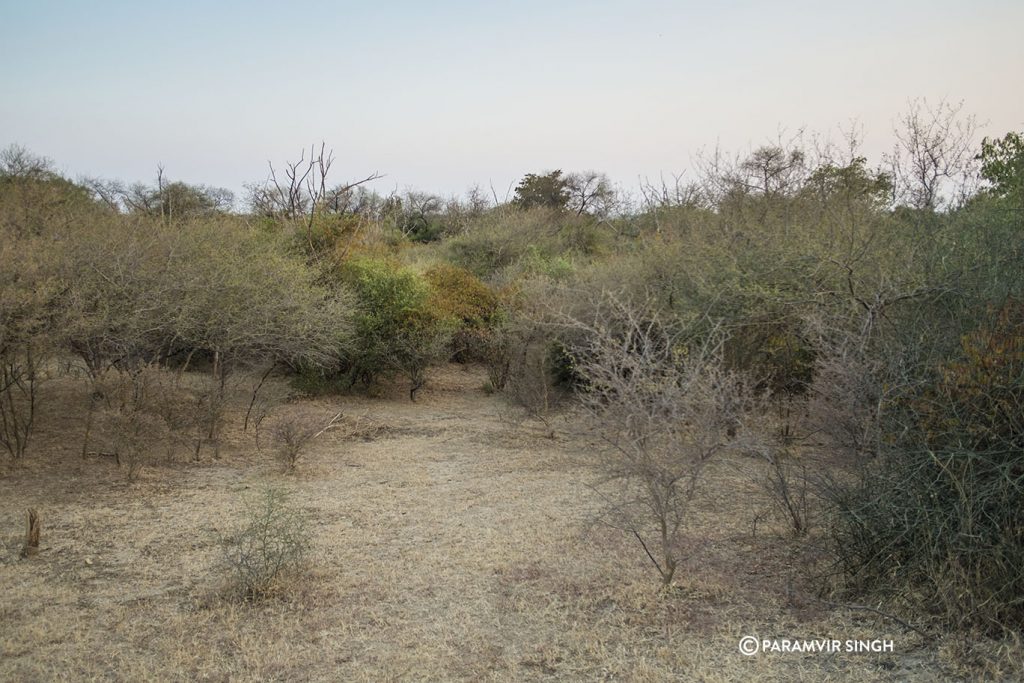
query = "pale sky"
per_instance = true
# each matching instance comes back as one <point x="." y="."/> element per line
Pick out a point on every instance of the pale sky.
<point x="442" y="95"/>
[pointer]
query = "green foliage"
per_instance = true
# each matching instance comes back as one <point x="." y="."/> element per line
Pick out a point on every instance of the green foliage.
<point x="505" y="244"/>
<point x="326" y="234"/>
<point x="457" y="293"/>
<point x="1002" y="164"/>
<point x="549" y="191"/>
<point x="853" y="182"/>
<point x="36" y="200"/>
<point x="470" y="307"/>
<point x="143" y="290"/>
<point x="396" y="330"/>
<point x="182" y="200"/>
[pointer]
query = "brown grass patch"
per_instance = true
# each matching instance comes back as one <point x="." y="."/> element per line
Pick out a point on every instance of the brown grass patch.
<point x="456" y="548"/>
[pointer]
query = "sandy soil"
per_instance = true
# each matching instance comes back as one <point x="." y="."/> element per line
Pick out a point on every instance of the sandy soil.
<point x="451" y="543"/>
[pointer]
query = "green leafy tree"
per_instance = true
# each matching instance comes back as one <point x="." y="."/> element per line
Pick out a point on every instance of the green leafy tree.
<point x="1002" y="164"/>
<point x="550" y="190"/>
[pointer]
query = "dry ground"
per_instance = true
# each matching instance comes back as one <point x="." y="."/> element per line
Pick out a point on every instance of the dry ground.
<point x="452" y="543"/>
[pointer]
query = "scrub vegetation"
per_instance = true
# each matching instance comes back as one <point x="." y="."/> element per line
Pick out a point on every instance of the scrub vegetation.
<point x="577" y="434"/>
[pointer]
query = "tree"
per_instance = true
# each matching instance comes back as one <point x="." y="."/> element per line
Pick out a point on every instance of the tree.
<point x="772" y="171"/>
<point x="589" y="192"/>
<point x="18" y="162"/>
<point x="550" y="190"/>
<point x="303" y="193"/>
<point x="142" y="291"/>
<point x="397" y="330"/>
<point x="26" y="317"/>
<point x="35" y="199"/>
<point x="37" y="209"/>
<point x="931" y="163"/>
<point x="169" y="200"/>
<point x="850" y="183"/>
<point x="1002" y="165"/>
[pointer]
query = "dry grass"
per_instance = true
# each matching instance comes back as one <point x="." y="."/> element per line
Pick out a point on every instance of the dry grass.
<point x="448" y="546"/>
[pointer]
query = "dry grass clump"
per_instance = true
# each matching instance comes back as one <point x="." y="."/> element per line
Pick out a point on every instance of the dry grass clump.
<point x="364" y="428"/>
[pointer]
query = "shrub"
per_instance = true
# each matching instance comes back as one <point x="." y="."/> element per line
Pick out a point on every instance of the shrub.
<point x="525" y="359"/>
<point x="145" y="291"/>
<point x="272" y="546"/>
<point x="937" y="518"/>
<point x="506" y="240"/>
<point x="139" y="410"/>
<point x="293" y="434"/>
<point x="665" y="405"/>
<point x="457" y="293"/>
<point x="396" y="330"/>
<point x="29" y="292"/>
<point x="471" y="306"/>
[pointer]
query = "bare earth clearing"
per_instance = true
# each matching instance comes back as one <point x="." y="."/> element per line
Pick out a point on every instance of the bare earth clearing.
<point x="451" y="544"/>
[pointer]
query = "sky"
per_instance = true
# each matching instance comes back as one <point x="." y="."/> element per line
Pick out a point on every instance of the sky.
<point x="439" y="96"/>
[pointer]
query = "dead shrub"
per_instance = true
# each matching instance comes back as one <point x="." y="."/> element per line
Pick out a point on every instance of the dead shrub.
<point x="665" y="405"/>
<point x="136" y="412"/>
<point x="934" y="520"/>
<point x="789" y="483"/>
<point x="270" y="549"/>
<point x="293" y="434"/>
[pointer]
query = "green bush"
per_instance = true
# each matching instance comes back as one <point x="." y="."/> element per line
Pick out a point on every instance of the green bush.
<point x="507" y="241"/>
<point x="396" y="329"/>
<point x="471" y="307"/>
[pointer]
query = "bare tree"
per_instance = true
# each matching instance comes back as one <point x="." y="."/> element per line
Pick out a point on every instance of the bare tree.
<point x="590" y="192"/>
<point x="772" y="171"/>
<point x="18" y="162"/>
<point x="933" y="161"/>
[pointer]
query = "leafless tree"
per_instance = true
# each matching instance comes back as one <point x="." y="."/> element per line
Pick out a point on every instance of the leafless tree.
<point x="772" y="171"/>
<point x="933" y="160"/>
<point x="18" y="162"/>
<point x="590" y="192"/>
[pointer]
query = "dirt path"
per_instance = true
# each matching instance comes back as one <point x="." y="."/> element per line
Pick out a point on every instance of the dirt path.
<point x="451" y="544"/>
